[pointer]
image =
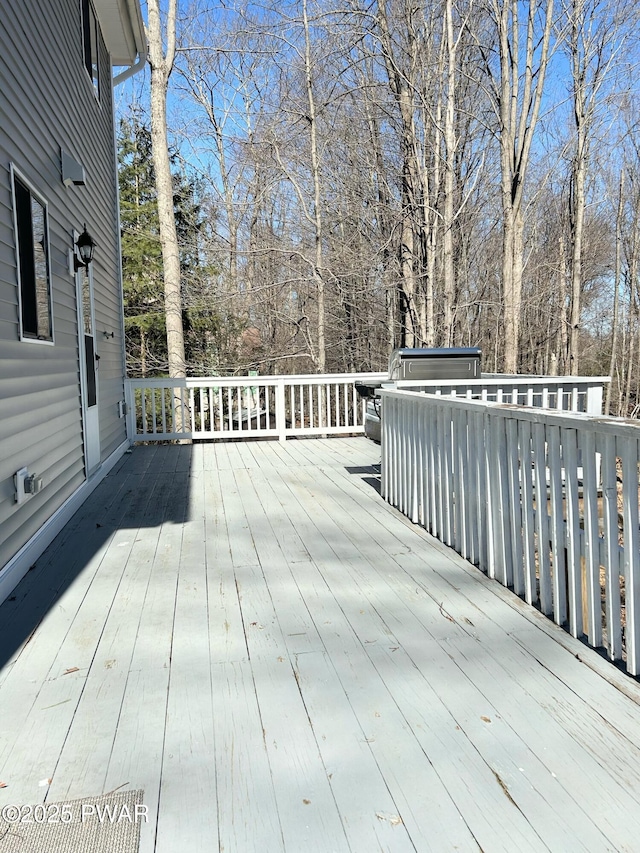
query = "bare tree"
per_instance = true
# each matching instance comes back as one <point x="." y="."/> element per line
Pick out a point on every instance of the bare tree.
<point x="594" y="41"/>
<point x="161" y="60"/>
<point x="523" y="49"/>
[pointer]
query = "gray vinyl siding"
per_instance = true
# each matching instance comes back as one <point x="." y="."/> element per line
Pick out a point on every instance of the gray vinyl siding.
<point x="47" y="103"/>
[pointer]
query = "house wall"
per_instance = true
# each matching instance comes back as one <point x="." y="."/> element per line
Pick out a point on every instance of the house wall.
<point x="47" y="104"/>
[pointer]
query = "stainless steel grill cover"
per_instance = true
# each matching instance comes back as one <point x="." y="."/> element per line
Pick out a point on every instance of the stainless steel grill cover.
<point x="435" y="363"/>
<point x="428" y="365"/>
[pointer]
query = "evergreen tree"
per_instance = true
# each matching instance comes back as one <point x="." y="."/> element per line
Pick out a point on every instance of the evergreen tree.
<point x="212" y="336"/>
<point x="141" y="255"/>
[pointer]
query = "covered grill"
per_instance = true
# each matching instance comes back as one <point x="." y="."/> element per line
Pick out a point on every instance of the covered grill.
<point x="406" y="364"/>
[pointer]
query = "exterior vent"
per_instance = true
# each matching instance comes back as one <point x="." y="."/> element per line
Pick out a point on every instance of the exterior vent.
<point x="72" y="171"/>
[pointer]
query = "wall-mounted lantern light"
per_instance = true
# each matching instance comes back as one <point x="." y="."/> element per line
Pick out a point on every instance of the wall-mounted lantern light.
<point x="83" y="250"/>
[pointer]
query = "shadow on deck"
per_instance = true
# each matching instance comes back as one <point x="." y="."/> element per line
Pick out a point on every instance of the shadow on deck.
<point x="283" y="662"/>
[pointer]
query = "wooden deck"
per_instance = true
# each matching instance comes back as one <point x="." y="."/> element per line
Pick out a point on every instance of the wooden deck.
<point x="283" y="662"/>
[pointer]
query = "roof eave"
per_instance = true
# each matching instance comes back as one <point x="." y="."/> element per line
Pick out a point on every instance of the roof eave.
<point x="123" y="30"/>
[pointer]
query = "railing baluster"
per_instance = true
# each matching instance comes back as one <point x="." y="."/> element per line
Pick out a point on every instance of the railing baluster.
<point x="432" y="485"/>
<point x="153" y="411"/>
<point x="629" y="456"/>
<point x="542" y="518"/>
<point x="557" y="527"/>
<point x="591" y="539"/>
<point x="460" y="497"/>
<point x="573" y="533"/>
<point x="471" y="495"/>
<point x="483" y="491"/>
<point x="292" y="406"/>
<point x="611" y="548"/>
<point x="504" y="569"/>
<point x="515" y="506"/>
<point x="143" y="400"/>
<point x="524" y="440"/>
<point x="413" y="463"/>
<point x="422" y="463"/>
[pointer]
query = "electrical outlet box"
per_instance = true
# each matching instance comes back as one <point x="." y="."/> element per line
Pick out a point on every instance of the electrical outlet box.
<point x="18" y="480"/>
<point x="33" y="484"/>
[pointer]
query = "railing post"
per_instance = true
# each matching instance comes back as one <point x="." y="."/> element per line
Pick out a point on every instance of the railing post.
<point x="130" y="403"/>
<point x="594" y="400"/>
<point x="281" y="424"/>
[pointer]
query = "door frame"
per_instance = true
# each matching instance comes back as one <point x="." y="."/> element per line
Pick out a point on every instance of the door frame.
<point x="90" y="413"/>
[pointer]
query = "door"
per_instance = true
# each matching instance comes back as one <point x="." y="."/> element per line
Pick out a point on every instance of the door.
<point x="89" y="360"/>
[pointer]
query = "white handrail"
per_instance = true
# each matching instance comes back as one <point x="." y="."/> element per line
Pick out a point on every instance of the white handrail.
<point x="566" y="393"/>
<point x="477" y="474"/>
<point x="213" y="407"/>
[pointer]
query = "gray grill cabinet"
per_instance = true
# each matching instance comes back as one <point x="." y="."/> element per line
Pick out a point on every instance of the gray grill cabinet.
<point x="457" y="363"/>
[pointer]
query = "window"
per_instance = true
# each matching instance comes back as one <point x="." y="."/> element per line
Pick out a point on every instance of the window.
<point x="90" y="43"/>
<point x="34" y="274"/>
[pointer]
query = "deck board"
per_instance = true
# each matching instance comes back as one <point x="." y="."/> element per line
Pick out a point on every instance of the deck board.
<point x="283" y="662"/>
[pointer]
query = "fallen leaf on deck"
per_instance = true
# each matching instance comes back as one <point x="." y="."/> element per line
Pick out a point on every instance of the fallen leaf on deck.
<point x="71" y="669"/>
<point x="393" y="819"/>
<point x="3" y="784"/>
<point x="306" y="802"/>
<point x="485" y="719"/>
<point x="44" y="782"/>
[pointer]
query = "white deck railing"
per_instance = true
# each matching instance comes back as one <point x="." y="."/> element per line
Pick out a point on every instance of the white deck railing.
<point x="565" y="393"/>
<point x="476" y="475"/>
<point x="245" y="407"/>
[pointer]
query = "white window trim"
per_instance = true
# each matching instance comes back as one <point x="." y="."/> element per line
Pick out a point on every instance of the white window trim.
<point x="15" y="172"/>
<point x="96" y="90"/>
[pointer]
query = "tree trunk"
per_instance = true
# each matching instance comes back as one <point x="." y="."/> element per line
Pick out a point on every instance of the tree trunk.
<point x="402" y="85"/>
<point x="161" y="67"/>
<point x="577" y="216"/>
<point x="616" y="297"/>
<point x="449" y="286"/>
<point x="318" y="273"/>
<point x="518" y="96"/>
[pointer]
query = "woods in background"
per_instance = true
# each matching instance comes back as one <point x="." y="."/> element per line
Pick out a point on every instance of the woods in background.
<point x="352" y="177"/>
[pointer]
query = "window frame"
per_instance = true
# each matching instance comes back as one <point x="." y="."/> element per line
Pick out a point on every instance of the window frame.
<point x="91" y="34"/>
<point x="17" y="175"/>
